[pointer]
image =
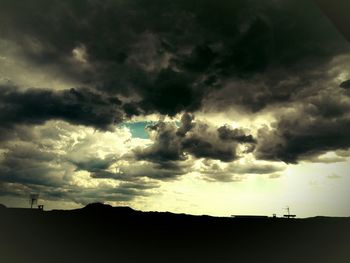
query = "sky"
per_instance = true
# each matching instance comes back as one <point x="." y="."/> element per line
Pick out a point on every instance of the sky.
<point x="200" y="107"/>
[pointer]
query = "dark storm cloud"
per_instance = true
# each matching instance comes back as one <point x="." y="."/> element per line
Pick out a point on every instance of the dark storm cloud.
<point x="213" y="144"/>
<point x="186" y="124"/>
<point x="291" y="142"/>
<point x="336" y="11"/>
<point x="166" y="147"/>
<point x="135" y="173"/>
<point x="171" y="92"/>
<point x="345" y="84"/>
<point x="226" y="133"/>
<point x="172" y="143"/>
<point x="204" y="148"/>
<point x="36" y="106"/>
<point x="167" y="56"/>
<point x="319" y="124"/>
<point x="163" y="171"/>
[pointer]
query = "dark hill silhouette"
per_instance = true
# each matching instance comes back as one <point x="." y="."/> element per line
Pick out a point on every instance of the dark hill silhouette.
<point x="2" y="206"/>
<point x="97" y="206"/>
<point x="103" y="208"/>
<point x="101" y="233"/>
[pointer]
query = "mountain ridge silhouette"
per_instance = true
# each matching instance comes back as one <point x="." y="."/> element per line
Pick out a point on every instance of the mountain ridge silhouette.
<point x="102" y="233"/>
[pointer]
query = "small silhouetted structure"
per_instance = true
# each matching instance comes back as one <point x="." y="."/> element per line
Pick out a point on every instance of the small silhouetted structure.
<point x="41" y="207"/>
<point x="33" y="199"/>
<point x="289" y="215"/>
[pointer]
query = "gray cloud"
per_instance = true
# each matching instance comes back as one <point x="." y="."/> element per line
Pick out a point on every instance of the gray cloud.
<point x="47" y="159"/>
<point x="195" y="138"/>
<point x="226" y="133"/>
<point x="161" y="171"/>
<point x="35" y="106"/>
<point x="94" y="164"/>
<point x="318" y="124"/>
<point x="235" y="171"/>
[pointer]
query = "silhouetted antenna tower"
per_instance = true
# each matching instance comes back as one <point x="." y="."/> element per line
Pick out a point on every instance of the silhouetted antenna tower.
<point x="288" y="213"/>
<point x="33" y="199"/>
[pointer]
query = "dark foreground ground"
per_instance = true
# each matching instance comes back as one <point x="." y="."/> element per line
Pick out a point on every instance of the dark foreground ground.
<point x="104" y="234"/>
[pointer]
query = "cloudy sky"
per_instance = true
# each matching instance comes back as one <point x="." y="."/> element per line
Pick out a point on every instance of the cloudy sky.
<point x="202" y="107"/>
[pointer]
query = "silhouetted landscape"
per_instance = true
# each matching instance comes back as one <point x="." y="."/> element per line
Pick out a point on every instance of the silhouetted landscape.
<point x="102" y="233"/>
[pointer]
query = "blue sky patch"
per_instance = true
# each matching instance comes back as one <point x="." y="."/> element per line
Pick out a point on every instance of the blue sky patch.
<point x="137" y="129"/>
